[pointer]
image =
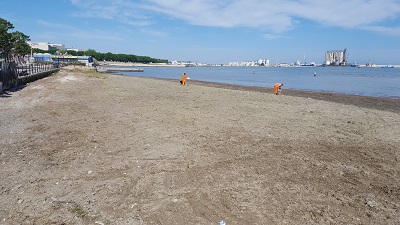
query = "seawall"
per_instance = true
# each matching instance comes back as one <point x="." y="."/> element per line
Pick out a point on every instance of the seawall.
<point x="22" y="80"/>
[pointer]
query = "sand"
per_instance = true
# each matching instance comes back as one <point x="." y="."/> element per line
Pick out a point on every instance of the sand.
<point x="77" y="149"/>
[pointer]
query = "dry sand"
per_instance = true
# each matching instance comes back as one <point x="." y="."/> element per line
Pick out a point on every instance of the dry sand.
<point x="76" y="149"/>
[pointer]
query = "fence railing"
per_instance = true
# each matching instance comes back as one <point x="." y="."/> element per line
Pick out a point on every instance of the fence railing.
<point x="11" y="73"/>
<point x="34" y="68"/>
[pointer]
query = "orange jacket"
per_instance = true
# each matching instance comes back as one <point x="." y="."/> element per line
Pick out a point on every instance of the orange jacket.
<point x="276" y="87"/>
<point x="184" y="78"/>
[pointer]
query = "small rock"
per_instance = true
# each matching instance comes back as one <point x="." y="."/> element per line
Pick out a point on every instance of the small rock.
<point x="372" y="203"/>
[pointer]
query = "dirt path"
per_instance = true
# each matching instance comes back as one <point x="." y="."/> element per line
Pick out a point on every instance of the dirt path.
<point x="76" y="149"/>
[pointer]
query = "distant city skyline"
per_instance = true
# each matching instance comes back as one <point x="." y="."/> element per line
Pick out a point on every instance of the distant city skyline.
<point x="217" y="32"/>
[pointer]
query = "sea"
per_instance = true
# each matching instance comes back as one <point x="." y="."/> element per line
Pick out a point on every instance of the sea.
<point x="364" y="81"/>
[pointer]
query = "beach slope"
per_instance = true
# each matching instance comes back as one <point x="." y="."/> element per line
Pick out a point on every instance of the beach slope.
<point x="77" y="149"/>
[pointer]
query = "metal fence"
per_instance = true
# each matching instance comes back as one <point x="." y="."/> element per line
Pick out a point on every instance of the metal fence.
<point x="11" y="73"/>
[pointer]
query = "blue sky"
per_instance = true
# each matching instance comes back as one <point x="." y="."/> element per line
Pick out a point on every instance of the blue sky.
<point x="210" y="31"/>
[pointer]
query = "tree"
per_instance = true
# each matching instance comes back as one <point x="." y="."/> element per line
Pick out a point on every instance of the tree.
<point x="12" y="45"/>
<point x="21" y="46"/>
<point x="90" y="52"/>
<point x="5" y="38"/>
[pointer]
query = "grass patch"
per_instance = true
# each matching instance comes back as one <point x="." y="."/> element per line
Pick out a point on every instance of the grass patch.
<point x="92" y="73"/>
<point x="83" y="214"/>
<point x="80" y="212"/>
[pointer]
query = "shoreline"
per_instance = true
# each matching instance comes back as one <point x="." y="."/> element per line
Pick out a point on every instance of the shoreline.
<point x="379" y="103"/>
<point x="121" y="64"/>
<point x="385" y="104"/>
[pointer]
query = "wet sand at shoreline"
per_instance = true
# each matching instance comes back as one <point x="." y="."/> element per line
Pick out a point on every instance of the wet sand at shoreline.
<point x="76" y="149"/>
<point x="386" y="104"/>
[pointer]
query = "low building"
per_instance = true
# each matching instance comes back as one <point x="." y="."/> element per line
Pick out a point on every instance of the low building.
<point x="57" y="47"/>
<point x="42" y="57"/>
<point x="46" y="57"/>
<point x="39" y="45"/>
<point x="46" y="46"/>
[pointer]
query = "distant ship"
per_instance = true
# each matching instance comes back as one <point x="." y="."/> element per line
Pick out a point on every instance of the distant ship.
<point x="369" y="64"/>
<point x="354" y="64"/>
<point x="308" y="64"/>
<point x="388" y="66"/>
<point x="305" y="64"/>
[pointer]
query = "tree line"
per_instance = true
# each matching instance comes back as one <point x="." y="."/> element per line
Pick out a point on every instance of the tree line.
<point x="14" y="46"/>
<point x="104" y="56"/>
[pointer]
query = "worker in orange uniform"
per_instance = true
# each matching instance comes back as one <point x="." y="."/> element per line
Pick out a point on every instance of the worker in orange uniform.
<point x="183" y="81"/>
<point x="277" y="88"/>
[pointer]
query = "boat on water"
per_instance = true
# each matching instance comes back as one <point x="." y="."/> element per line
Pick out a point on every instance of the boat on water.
<point x="305" y="64"/>
<point x="388" y="66"/>
<point x="354" y="64"/>
<point x="308" y="64"/>
<point x="369" y="64"/>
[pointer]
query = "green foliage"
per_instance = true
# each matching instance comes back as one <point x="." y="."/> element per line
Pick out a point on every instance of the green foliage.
<point x="12" y="44"/>
<point x="91" y="73"/>
<point x="105" y="56"/>
<point x="79" y="211"/>
<point x="123" y="57"/>
<point x="21" y="46"/>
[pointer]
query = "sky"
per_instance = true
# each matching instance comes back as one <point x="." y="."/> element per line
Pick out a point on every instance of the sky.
<point x="210" y="31"/>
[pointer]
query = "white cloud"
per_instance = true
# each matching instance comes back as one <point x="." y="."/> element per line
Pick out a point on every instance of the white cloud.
<point x="95" y="35"/>
<point x="154" y="33"/>
<point x="74" y="32"/>
<point x="270" y="37"/>
<point x="395" y="31"/>
<point x="127" y="12"/>
<point x="347" y="13"/>
<point x="273" y="15"/>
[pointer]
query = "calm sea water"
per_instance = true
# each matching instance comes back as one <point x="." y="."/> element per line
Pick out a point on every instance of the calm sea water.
<point x="377" y="82"/>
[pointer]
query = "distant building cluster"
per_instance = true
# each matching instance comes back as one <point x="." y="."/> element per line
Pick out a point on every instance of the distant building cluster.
<point x="186" y="63"/>
<point x="46" y="46"/>
<point x="60" y="58"/>
<point x="260" y="62"/>
<point x="332" y="58"/>
<point x="46" y="57"/>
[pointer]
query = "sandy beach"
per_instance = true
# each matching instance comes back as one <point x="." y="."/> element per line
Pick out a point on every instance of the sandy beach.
<point x="80" y="149"/>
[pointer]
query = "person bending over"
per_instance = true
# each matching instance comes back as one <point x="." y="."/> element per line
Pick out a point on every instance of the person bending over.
<point x="277" y="88"/>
